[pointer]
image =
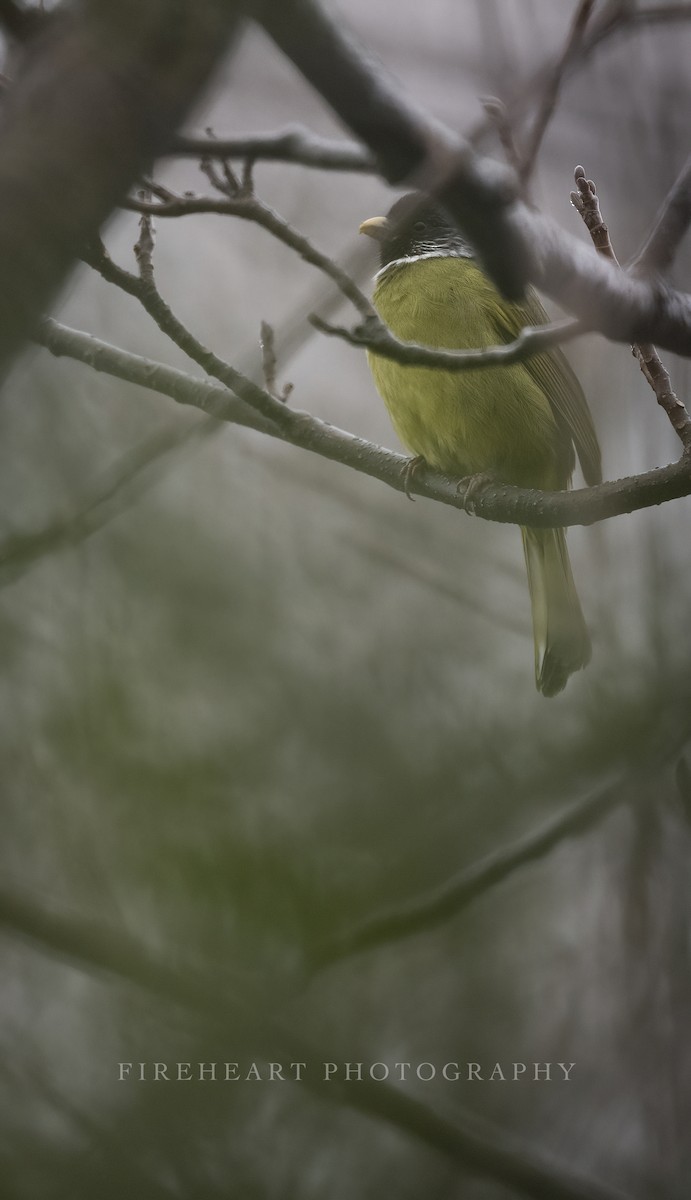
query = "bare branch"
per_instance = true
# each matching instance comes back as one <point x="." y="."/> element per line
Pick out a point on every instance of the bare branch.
<point x="217" y="401"/>
<point x="585" y="201"/>
<point x="298" y="145"/>
<point x="408" y="145"/>
<point x="615" y="19"/>
<point x="249" y="208"/>
<point x="292" y="145"/>
<point x="145" y="290"/>
<point x="516" y="244"/>
<point x="552" y="89"/>
<point x="502" y="503"/>
<point x="374" y="335"/>
<point x="224" y="1000"/>
<point x="471" y="882"/>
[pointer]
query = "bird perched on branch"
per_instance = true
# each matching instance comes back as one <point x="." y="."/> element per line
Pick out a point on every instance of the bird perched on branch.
<point x="520" y="424"/>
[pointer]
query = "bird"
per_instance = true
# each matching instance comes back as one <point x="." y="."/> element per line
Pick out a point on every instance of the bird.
<point x="521" y="423"/>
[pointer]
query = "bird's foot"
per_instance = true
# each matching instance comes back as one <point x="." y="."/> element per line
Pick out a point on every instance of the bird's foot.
<point x="408" y="472"/>
<point x="471" y="486"/>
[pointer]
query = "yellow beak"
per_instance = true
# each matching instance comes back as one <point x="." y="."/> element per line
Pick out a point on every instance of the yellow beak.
<point x="375" y="227"/>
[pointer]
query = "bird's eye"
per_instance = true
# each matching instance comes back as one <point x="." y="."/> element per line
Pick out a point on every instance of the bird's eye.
<point x="419" y="227"/>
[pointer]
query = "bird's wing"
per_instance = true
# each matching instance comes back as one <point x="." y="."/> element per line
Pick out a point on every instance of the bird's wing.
<point x="555" y="378"/>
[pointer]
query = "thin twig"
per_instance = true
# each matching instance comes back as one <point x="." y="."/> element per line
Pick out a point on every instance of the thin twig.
<point x="552" y="88"/>
<point x="471" y="882"/>
<point x="586" y="202"/>
<point x="268" y="357"/>
<point x="145" y="290"/>
<point x="267" y="342"/>
<point x="502" y="503"/>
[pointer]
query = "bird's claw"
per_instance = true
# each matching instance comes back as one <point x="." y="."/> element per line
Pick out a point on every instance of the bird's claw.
<point x="472" y="486"/>
<point x="408" y="473"/>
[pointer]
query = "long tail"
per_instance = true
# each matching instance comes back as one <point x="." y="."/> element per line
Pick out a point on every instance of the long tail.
<point x="562" y="641"/>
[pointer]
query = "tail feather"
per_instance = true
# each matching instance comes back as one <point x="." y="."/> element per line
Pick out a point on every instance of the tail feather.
<point x="562" y="641"/>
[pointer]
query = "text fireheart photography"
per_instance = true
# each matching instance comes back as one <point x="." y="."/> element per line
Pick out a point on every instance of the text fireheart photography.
<point x="344" y="1072"/>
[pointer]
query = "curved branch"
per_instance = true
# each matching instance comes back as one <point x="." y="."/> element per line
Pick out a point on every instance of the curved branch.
<point x="374" y="335"/>
<point x="260" y="411"/>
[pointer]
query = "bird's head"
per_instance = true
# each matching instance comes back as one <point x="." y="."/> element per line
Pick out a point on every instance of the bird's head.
<point x="414" y="227"/>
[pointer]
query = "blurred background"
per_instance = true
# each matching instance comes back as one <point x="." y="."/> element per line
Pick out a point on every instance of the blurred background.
<point x="269" y="698"/>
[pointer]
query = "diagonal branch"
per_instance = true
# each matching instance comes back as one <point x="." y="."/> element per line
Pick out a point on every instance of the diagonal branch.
<point x="501" y="503"/>
<point x="671" y="226"/>
<point x="453" y="896"/>
<point x="218" y="402"/>
<point x="472" y="882"/>
<point x="226" y="1001"/>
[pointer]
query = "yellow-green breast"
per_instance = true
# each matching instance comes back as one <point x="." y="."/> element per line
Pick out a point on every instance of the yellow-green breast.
<point x="495" y="419"/>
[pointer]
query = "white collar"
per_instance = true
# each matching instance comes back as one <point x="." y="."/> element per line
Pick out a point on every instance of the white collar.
<point x="401" y="262"/>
